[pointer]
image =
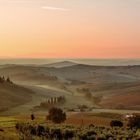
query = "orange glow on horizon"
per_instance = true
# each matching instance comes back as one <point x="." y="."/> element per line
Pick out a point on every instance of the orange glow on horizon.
<point x="70" y="29"/>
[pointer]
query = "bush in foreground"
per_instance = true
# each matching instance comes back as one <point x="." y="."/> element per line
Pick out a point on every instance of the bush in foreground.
<point x="56" y="115"/>
<point x="134" y="121"/>
<point x="116" y="123"/>
<point x="65" y="132"/>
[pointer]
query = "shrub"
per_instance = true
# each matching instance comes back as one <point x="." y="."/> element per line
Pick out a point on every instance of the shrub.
<point x="134" y="121"/>
<point x="63" y="132"/>
<point x="68" y="134"/>
<point x="116" y="123"/>
<point x="56" y="115"/>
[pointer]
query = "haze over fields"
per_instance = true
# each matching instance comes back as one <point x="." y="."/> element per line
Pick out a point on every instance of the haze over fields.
<point x="88" y="61"/>
<point x="109" y="87"/>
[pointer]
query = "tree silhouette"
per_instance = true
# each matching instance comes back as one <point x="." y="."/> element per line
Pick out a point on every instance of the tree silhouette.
<point x="56" y="115"/>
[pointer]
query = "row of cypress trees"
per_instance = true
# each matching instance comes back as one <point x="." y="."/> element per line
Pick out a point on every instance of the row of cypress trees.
<point x="5" y="80"/>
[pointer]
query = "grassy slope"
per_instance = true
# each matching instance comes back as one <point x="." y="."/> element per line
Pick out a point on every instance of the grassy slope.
<point x="12" y="95"/>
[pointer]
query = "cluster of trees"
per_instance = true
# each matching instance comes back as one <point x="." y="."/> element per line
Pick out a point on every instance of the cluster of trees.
<point x="134" y="121"/>
<point x="4" y="80"/>
<point x="83" y="90"/>
<point x="55" y="115"/>
<point x="52" y="102"/>
<point x="88" y="95"/>
<point x="50" y="78"/>
<point x="82" y="107"/>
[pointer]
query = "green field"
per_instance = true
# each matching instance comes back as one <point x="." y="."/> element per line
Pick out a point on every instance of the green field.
<point x="101" y="122"/>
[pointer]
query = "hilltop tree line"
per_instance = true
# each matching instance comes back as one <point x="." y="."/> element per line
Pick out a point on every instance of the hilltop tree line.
<point x="5" y="80"/>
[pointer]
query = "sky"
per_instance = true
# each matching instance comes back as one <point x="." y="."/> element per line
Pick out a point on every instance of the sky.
<point x="69" y="28"/>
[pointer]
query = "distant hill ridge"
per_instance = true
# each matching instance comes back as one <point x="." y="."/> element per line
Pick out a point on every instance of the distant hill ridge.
<point x="61" y="64"/>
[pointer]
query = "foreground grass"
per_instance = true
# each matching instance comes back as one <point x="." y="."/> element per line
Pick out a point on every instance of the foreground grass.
<point x="7" y="122"/>
<point x="98" y="119"/>
<point x="70" y="132"/>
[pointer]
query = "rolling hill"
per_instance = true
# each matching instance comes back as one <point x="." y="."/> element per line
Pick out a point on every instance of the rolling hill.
<point x="79" y="72"/>
<point x="113" y="84"/>
<point x="24" y="74"/>
<point x="60" y="64"/>
<point x="12" y="95"/>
